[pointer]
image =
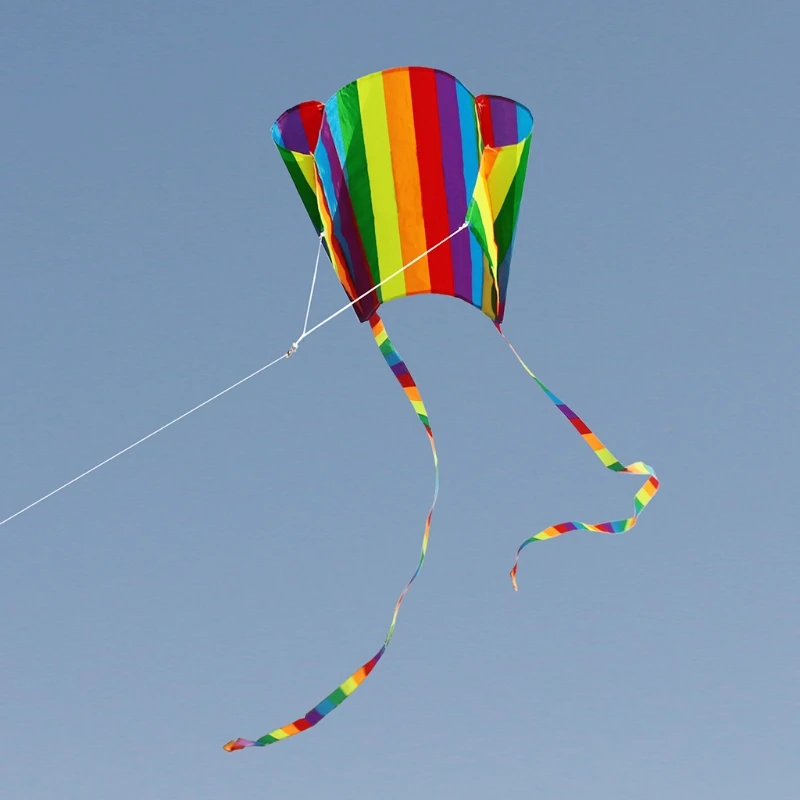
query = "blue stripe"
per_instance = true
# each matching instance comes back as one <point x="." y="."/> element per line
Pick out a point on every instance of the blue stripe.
<point x="524" y="122"/>
<point x="469" y="152"/>
<point x="332" y="115"/>
<point x="325" y="707"/>
<point x="276" y="136"/>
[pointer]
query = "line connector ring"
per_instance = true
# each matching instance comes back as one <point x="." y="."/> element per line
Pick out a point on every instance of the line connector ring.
<point x="292" y="350"/>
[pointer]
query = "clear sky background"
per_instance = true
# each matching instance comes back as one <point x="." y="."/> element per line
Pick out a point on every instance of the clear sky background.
<point x="224" y="577"/>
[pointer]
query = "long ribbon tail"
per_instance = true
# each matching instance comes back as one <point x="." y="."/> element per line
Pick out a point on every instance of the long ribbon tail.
<point x="344" y="690"/>
<point x="640" y="500"/>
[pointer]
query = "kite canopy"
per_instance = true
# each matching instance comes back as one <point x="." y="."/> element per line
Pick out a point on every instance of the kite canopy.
<point x="396" y="162"/>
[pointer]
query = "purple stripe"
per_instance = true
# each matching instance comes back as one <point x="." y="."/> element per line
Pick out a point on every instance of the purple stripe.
<point x="567" y="412"/>
<point x="399" y="369"/>
<point x="293" y="133"/>
<point x="313" y="717"/>
<point x="450" y="126"/>
<point x="504" y="121"/>
<point x="345" y="227"/>
<point x="607" y="527"/>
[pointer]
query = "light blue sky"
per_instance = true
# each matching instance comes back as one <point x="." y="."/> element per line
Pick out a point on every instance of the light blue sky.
<point x="221" y="579"/>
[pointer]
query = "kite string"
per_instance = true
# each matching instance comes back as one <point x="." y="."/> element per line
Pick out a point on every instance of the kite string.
<point x="306" y="332"/>
<point x="397" y="272"/>
<point x="313" y="284"/>
<point x="143" y="439"/>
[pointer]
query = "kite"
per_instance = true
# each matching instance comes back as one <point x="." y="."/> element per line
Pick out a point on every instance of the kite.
<point x="414" y="186"/>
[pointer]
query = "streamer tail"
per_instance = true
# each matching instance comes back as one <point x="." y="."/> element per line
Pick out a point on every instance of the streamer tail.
<point x="345" y="689"/>
<point x="640" y="500"/>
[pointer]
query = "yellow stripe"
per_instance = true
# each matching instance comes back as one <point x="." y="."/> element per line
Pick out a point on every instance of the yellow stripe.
<point x="605" y="456"/>
<point x="381" y="182"/>
<point x="481" y="196"/>
<point x="502" y="175"/>
<point x="306" y="164"/>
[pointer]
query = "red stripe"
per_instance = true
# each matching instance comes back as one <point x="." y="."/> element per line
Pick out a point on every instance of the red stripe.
<point x="311" y="117"/>
<point x="406" y="381"/>
<point x="431" y="175"/>
<point x="580" y="425"/>
<point x="485" y="119"/>
<point x="370" y="665"/>
<point x="607" y="527"/>
<point x="564" y="527"/>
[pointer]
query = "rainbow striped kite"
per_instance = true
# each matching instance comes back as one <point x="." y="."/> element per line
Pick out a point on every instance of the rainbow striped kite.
<point x="414" y="186"/>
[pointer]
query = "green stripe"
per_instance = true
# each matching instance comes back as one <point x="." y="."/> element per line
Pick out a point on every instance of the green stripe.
<point x="358" y="174"/>
<point x="476" y="224"/>
<point x="506" y="220"/>
<point x="337" y="696"/>
<point x="306" y="192"/>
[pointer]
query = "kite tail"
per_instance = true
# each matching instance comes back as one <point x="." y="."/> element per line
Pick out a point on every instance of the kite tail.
<point x="640" y="500"/>
<point x="342" y="692"/>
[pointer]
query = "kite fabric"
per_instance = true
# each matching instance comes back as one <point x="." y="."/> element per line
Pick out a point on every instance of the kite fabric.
<point x="414" y="186"/>
<point x="396" y="161"/>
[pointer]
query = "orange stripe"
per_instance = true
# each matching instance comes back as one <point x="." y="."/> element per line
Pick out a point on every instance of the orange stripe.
<point x="403" y="142"/>
<point x="592" y="441"/>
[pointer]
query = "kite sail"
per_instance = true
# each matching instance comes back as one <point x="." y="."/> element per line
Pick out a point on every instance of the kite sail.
<point x="414" y="186"/>
<point x="397" y="161"/>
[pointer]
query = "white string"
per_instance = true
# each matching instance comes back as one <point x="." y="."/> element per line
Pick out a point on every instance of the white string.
<point x="388" y="278"/>
<point x="291" y="350"/>
<point x="313" y="284"/>
<point x="144" y="439"/>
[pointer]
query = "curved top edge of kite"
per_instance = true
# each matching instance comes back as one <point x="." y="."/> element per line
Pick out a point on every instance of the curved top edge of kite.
<point x="321" y="107"/>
